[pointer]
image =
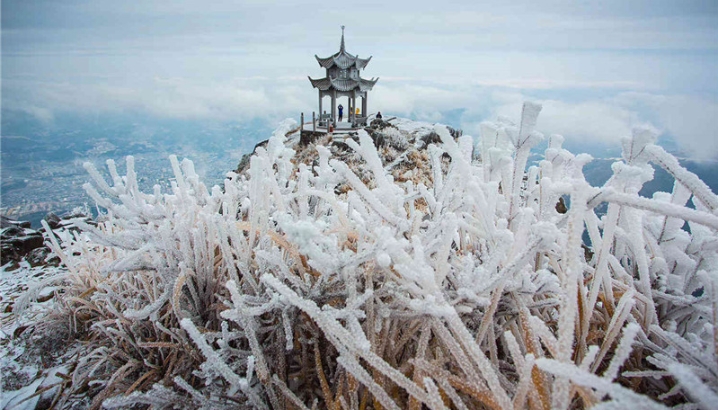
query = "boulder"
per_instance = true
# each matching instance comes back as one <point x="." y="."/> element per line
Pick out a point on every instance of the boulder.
<point x="19" y="242"/>
<point x="430" y="138"/>
<point x="380" y="124"/>
<point x="53" y="220"/>
<point x="28" y="242"/>
<point x="68" y="220"/>
<point x="6" y="222"/>
<point x="307" y="137"/>
<point x="11" y="232"/>
<point x="39" y="257"/>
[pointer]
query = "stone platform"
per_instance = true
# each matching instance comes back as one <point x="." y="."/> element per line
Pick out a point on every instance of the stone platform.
<point x="341" y="128"/>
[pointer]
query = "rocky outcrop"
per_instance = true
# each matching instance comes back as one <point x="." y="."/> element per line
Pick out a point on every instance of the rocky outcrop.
<point x="18" y="240"/>
<point x="6" y="222"/>
<point x="244" y="162"/>
<point x="402" y="149"/>
<point x="21" y="242"/>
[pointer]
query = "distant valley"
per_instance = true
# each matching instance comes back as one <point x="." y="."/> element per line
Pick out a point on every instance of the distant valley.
<point x="42" y="163"/>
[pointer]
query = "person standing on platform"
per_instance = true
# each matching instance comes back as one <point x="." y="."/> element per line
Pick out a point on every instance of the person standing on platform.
<point x="341" y="112"/>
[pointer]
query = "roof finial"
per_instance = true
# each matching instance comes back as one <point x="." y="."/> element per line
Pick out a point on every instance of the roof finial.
<point x="341" y="47"/>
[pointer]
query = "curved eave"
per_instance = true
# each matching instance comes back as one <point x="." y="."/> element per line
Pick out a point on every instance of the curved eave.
<point x="325" y="62"/>
<point x="321" y="83"/>
<point x="346" y="84"/>
<point x="362" y="62"/>
<point x="367" y="85"/>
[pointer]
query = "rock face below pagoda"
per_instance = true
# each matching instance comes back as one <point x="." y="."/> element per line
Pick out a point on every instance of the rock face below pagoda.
<point x="402" y="144"/>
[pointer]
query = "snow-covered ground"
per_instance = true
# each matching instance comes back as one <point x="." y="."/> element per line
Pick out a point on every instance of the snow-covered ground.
<point x="24" y="369"/>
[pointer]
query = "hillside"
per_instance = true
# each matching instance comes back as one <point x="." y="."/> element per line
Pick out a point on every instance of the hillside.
<point x="400" y="267"/>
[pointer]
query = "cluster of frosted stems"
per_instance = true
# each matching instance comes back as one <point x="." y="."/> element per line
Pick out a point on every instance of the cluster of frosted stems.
<point x="469" y="288"/>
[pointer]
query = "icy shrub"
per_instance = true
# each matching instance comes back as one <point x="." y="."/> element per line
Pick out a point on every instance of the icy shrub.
<point x="464" y="290"/>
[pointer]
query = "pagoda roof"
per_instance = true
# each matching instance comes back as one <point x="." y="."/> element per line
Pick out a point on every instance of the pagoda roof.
<point x="342" y="58"/>
<point x="343" y="84"/>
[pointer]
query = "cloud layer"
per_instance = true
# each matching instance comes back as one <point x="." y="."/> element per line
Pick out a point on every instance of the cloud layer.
<point x="598" y="69"/>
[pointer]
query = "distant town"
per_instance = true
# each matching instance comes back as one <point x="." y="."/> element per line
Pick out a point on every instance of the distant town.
<point x="42" y="170"/>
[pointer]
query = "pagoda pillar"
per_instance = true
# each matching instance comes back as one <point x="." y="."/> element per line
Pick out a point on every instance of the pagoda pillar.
<point x="354" y="110"/>
<point x="334" y="106"/>
<point x="320" y="106"/>
<point x="349" y="109"/>
<point x="364" y="104"/>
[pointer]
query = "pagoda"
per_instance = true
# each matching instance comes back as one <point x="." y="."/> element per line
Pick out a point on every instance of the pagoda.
<point x="343" y="80"/>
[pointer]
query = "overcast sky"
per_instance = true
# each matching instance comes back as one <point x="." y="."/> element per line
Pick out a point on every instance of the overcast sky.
<point x="599" y="67"/>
